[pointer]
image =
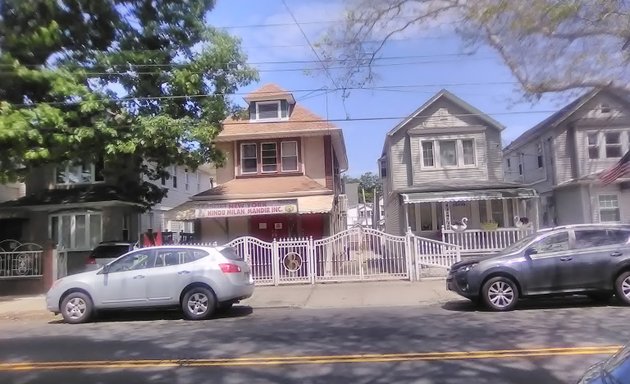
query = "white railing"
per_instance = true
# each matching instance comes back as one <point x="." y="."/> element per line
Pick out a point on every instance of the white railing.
<point x="19" y="260"/>
<point x="355" y="254"/>
<point x="484" y="241"/>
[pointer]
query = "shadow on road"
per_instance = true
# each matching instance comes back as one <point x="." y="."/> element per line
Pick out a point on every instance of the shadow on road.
<point x="534" y="304"/>
<point x="155" y="315"/>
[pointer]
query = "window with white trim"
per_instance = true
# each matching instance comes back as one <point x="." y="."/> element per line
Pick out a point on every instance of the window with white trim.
<point x="198" y="181"/>
<point x="78" y="173"/>
<point x="269" y="156"/>
<point x="593" y="145"/>
<point x="289" y="154"/>
<point x="609" y="209"/>
<point x="428" y="159"/>
<point x="468" y="150"/>
<point x="249" y="158"/>
<point x="174" y="176"/>
<point x="76" y="231"/>
<point x="268" y="110"/>
<point x="613" y="144"/>
<point x="450" y="153"/>
<point x="186" y="179"/>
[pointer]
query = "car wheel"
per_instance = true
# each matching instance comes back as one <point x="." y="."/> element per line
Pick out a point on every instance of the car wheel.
<point x="76" y="308"/>
<point x="500" y="294"/>
<point x="600" y="297"/>
<point x="622" y="287"/>
<point x="198" y="303"/>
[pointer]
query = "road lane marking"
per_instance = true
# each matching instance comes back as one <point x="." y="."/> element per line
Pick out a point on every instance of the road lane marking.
<point x="315" y="359"/>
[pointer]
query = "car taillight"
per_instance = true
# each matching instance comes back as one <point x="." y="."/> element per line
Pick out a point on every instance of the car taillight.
<point x="91" y="260"/>
<point x="230" y="268"/>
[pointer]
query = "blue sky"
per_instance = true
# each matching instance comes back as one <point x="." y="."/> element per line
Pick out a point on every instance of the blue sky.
<point x="493" y="89"/>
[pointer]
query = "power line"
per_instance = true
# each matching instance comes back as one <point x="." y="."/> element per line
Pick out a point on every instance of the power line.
<point x="314" y="22"/>
<point x="308" y="90"/>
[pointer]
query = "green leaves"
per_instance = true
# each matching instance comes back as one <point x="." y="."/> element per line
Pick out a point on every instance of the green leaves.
<point x="145" y="83"/>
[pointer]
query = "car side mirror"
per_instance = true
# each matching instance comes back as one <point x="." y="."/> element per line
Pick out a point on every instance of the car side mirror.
<point x="105" y="269"/>
<point x="530" y="251"/>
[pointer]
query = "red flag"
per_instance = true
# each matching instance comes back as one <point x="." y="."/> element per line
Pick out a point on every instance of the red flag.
<point x="146" y="240"/>
<point x="158" y="237"/>
<point x="621" y="168"/>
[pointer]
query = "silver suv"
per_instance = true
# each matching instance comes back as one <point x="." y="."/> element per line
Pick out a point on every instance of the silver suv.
<point x="591" y="259"/>
<point x="197" y="279"/>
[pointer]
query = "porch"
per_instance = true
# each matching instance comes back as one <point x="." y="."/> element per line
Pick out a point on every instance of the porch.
<point x="479" y="221"/>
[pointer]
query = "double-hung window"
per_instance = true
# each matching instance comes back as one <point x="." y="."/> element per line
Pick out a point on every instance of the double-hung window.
<point x="249" y="158"/>
<point x="609" y="209"/>
<point x="289" y="154"/>
<point x="78" y="173"/>
<point x="76" y="231"/>
<point x="450" y="153"/>
<point x="269" y="156"/>
<point x="268" y="110"/>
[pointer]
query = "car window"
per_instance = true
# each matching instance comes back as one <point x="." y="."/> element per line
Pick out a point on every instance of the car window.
<point x="230" y="253"/>
<point x="133" y="261"/>
<point x="167" y="257"/>
<point x="588" y="238"/>
<point x="618" y="367"/>
<point x="552" y="243"/>
<point x="192" y="255"/>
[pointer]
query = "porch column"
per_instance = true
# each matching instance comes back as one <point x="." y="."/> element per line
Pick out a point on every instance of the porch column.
<point x="446" y="215"/>
<point x="536" y="213"/>
<point x="508" y="221"/>
<point x="418" y="217"/>
<point x="406" y="214"/>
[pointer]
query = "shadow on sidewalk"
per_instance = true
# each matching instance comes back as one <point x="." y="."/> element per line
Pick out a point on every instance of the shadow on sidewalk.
<point x="533" y="304"/>
<point x="163" y="314"/>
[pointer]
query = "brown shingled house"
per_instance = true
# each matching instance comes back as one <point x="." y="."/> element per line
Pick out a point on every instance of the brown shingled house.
<point x="281" y="177"/>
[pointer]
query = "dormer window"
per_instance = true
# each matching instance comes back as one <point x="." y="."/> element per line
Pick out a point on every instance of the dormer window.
<point x="268" y="110"/>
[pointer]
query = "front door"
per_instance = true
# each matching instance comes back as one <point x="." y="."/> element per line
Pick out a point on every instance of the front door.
<point x="125" y="282"/>
<point x="546" y="259"/>
<point x="270" y="227"/>
<point x="170" y="276"/>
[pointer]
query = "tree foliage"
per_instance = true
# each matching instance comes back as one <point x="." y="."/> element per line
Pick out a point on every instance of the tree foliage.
<point x="143" y="84"/>
<point x="368" y="182"/>
<point x="549" y="45"/>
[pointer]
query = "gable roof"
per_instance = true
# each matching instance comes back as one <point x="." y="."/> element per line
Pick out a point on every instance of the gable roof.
<point x="455" y="100"/>
<point x="562" y="115"/>
<point x="256" y="186"/>
<point x="270" y="91"/>
<point x="553" y="120"/>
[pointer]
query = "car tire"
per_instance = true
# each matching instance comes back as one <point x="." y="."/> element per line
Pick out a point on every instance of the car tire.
<point x="600" y="297"/>
<point x="622" y="287"/>
<point x="500" y="294"/>
<point x="198" y="303"/>
<point x="76" y="308"/>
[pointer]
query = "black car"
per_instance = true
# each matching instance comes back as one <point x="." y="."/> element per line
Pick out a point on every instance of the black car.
<point x="615" y="370"/>
<point x="591" y="259"/>
<point x="106" y="252"/>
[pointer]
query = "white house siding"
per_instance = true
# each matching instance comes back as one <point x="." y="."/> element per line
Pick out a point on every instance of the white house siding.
<point x="400" y="161"/>
<point x="563" y="144"/>
<point x="11" y="191"/>
<point x="312" y="150"/>
<point x="393" y="214"/>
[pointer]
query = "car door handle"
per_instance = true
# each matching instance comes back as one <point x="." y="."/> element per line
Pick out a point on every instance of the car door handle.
<point x="183" y="272"/>
<point x="138" y="277"/>
<point x="566" y="258"/>
<point x="616" y="254"/>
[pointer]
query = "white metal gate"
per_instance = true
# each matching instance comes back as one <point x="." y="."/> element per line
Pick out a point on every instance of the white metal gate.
<point x="353" y="255"/>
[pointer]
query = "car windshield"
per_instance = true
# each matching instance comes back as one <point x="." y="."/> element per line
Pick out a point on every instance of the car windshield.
<point x="109" y="251"/>
<point x="618" y="367"/>
<point x="521" y="243"/>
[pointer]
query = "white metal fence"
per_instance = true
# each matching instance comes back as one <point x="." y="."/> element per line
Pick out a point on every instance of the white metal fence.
<point x="19" y="260"/>
<point x="353" y="255"/>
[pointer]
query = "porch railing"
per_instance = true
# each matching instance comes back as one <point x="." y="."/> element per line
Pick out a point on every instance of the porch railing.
<point x="484" y="241"/>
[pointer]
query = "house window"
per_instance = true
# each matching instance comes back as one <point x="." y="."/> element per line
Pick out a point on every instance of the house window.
<point x="520" y="169"/>
<point x="174" y="176"/>
<point x="76" y="231"/>
<point x="383" y="167"/>
<point x="198" y="181"/>
<point x="540" y="161"/>
<point x="609" y="209"/>
<point x="448" y="153"/>
<point x="604" y="108"/>
<point x="509" y="163"/>
<point x="249" y="161"/>
<point x="186" y="179"/>
<point x="79" y="173"/>
<point x="428" y="160"/>
<point x="289" y="156"/>
<point x="613" y="144"/>
<point x="269" y="155"/>
<point x="468" y="149"/>
<point x="268" y="110"/>
<point x="593" y="145"/>
<point x="125" y="227"/>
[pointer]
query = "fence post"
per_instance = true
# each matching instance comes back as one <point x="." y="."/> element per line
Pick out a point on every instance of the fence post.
<point x="275" y="262"/>
<point x="409" y="240"/>
<point x="312" y="267"/>
<point x="246" y="255"/>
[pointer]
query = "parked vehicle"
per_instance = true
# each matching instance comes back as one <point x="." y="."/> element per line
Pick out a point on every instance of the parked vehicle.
<point x="615" y="370"/>
<point x="591" y="259"/>
<point x="106" y="252"/>
<point x="199" y="280"/>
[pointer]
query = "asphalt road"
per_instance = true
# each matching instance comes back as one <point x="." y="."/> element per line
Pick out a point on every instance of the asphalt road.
<point x="548" y="343"/>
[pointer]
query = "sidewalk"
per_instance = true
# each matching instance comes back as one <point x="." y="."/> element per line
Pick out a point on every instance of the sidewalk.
<point x="332" y="295"/>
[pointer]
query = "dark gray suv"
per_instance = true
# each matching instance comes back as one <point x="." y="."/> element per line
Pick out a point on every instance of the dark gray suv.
<point x="590" y="259"/>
